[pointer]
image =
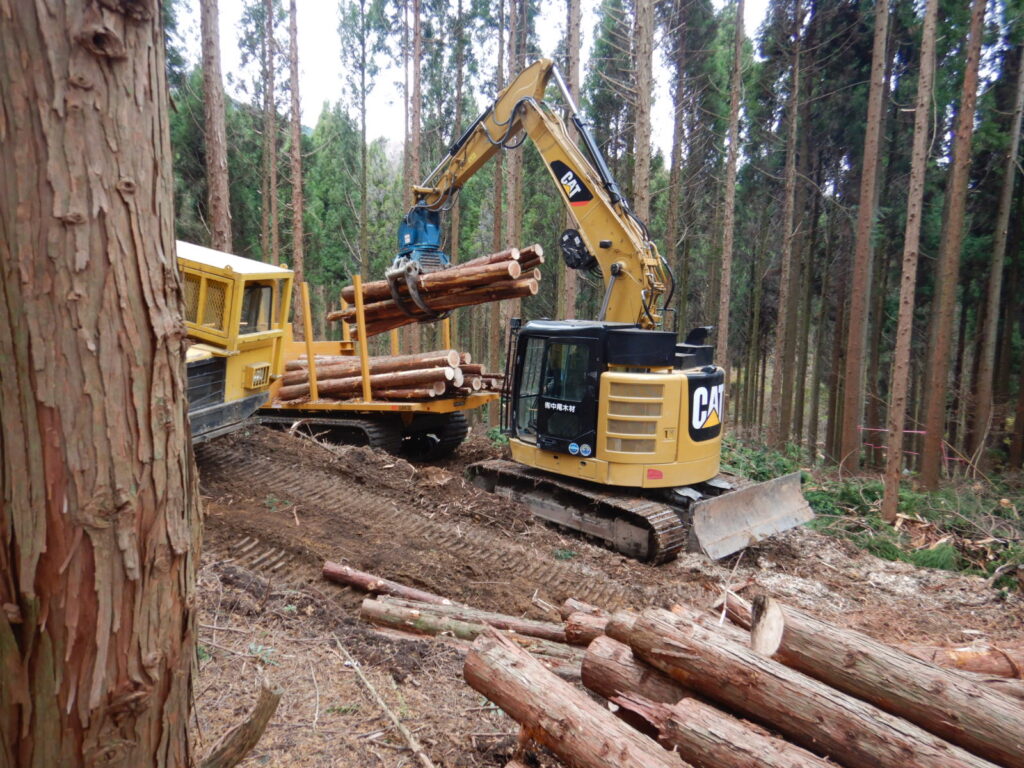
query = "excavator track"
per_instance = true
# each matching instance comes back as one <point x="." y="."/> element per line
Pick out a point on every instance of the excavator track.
<point x="645" y="528"/>
<point x="376" y="433"/>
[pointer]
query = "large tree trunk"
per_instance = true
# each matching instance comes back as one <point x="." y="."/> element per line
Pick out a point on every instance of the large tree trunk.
<point x="455" y="222"/>
<point x="982" y="415"/>
<point x="725" y="293"/>
<point x="494" y="328"/>
<point x="577" y="729"/>
<point x="675" y="178"/>
<point x="567" y="289"/>
<point x="643" y="37"/>
<point x="778" y="422"/>
<point x="298" y="256"/>
<point x="949" y="261"/>
<point x="939" y="700"/>
<point x="271" y="248"/>
<point x="860" y="280"/>
<point x="810" y="713"/>
<point x="908" y="279"/>
<point x="99" y="513"/>
<point x="216" y="142"/>
<point x="364" y="154"/>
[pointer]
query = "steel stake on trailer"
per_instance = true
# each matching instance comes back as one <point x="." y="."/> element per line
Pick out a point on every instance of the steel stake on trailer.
<point x="346" y="332"/>
<point x="394" y="341"/>
<point x="364" y="355"/>
<point x="307" y="322"/>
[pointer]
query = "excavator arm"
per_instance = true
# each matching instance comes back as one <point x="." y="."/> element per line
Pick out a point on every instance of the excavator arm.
<point x="612" y="236"/>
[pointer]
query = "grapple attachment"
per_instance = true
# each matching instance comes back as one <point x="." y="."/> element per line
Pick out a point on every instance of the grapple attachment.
<point x="737" y="519"/>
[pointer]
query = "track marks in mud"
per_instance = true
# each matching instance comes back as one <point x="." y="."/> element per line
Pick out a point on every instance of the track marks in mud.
<point x="341" y="517"/>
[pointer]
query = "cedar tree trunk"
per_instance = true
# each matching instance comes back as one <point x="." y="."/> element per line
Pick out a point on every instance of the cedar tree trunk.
<point x="100" y="515"/>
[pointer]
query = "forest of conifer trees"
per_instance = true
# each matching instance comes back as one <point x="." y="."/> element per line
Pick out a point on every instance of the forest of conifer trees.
<point x="861" y="254"/>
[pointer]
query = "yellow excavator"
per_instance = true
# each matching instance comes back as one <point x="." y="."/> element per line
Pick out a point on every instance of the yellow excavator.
<point x="614" y="427"/>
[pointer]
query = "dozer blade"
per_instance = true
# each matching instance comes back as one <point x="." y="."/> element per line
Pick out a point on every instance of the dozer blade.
<point x="737" y="519"/>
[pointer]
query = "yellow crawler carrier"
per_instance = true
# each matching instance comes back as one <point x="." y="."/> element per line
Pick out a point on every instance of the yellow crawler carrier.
<point x="235" y="312"/>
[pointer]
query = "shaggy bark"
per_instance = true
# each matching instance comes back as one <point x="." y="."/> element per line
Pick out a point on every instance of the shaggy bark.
<point x="99" y="510"/>
<point x="216" y="141"/>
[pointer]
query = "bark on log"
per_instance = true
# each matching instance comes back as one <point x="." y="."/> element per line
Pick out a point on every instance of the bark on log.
<point x="509" y="254"/>
<point x="684" y="614"/>
<point x="353" y="384"/>
<point x="426" y="622"/>
<point x="542" y="629"/>
<point x="810" y="713"/>
<point x="472" y="369"/>
<point x="991" y="660"/>
<point x="581" y="628"/>
<point x="1001" y="661"/>
<point x="375" y="585"/>
<point x="517" y="289"/>
<point x="578" y="730"/>
<point x="239" y="741"/>
<point x="382" y="311"/>
<point x="620" y="625"/>
<point x="350" y="367"/>
<point x="611" y="669"/>
<point x="572" y="605"/>
<point x="416" y="393"/>
<point x="939" y="700"/>
<point x="453" y="279"/>
<point x="452" y="356"/>
<point x="704" y="736"/>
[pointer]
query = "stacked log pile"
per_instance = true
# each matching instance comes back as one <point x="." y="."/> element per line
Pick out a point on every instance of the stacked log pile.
<point x="420" y="376"/>
<point x="508" y="274"/>
<point x="777" y="687"/>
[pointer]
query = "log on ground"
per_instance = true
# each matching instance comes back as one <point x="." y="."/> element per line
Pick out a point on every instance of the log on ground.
<point x="367" y="582"/>
<point x="939" y="700"/>
<point x="707" y="737"/>
<point x="582" y="628"/>
<point x="543" y="629"/>
<point x="808" y="712"/>
<point x="985" y="660"/>
<point x="572" y="605"/>
<point x="577" y="729"/>
<point x="425" y="622"/>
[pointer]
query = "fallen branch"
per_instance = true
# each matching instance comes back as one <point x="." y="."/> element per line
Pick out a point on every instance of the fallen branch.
<point x="375" y="585"/>
<point x="239" y="741"/>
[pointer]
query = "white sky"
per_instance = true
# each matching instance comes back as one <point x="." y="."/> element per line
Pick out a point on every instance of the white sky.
<point x="320" y="69"/>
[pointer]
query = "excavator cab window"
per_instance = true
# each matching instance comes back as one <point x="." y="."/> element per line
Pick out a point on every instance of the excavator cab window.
<point x="529" y="390"/>
<point x="565" y="386"/>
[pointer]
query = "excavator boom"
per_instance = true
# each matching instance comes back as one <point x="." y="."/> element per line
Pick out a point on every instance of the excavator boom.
<point x="615" y="428"/>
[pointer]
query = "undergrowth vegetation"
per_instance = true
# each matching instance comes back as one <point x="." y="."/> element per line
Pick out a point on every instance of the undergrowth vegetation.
<point x="972" y="526"/>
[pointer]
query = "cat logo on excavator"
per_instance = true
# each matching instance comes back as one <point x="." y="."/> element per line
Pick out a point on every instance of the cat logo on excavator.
<point x="707" y="405"/>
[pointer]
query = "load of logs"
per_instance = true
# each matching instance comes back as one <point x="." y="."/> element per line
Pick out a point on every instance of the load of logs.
<point x="420" y="376"/>
<point x="777" y="687"/>
<point x="508" y="274"/>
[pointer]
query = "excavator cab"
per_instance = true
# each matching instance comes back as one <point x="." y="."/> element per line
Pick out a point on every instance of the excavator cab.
<point x="612" y="404"/>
